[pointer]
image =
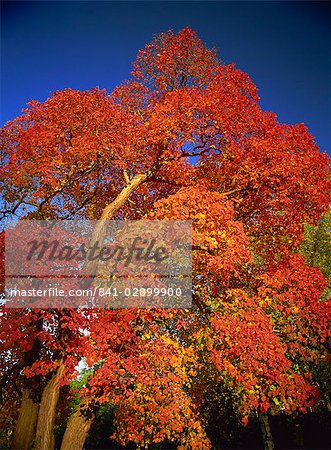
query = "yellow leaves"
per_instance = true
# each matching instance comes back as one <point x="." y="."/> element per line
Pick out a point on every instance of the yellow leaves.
<point x="265" y="302"/>
<point x="212" y="242"/>
<point x="192" y="372"/>
<point x="200" y="216"/>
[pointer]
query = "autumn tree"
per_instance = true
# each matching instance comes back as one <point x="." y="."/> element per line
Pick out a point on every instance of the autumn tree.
<point x="184" y="139"/>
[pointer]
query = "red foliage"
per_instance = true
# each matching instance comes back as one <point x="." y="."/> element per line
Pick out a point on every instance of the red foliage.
<point x="257" y="318"/>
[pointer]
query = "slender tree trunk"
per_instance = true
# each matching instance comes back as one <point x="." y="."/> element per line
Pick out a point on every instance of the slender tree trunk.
<point x="47" y="411"/>
<point x="26" y="423"/>
<point x="266" y="431"/>
<point x="77" y="431"/>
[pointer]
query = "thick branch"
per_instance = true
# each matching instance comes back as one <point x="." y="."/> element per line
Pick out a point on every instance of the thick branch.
<point x="108" y="213"/>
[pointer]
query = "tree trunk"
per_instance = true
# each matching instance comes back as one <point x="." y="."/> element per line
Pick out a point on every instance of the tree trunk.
<point x="47" y="411"/>
<point x="77" y="431"/>
<point x="298" y="436"/>
<point x="108" y="212"/>
<point x="26" y="423"/>
<point x="266" y="431"/>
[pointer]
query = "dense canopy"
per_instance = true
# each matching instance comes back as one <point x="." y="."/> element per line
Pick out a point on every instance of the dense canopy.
<point x="184" y="139"/>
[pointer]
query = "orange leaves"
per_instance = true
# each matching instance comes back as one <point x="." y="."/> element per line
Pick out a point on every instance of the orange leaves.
<point x="66" y="147"/>
<point x="219" y="242"/>
<point x="291" y="294"/>
<point x="258" y="322"/>
<point x="173" y="61"/>
<point x="252" y="360"/>
<point x="156" y="407"/>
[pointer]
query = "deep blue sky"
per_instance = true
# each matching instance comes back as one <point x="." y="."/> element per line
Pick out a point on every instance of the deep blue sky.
<point x="284" y="46"/>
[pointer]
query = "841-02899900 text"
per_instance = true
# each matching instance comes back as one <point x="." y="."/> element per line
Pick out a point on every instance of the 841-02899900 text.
<point x="98" y="292"/>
